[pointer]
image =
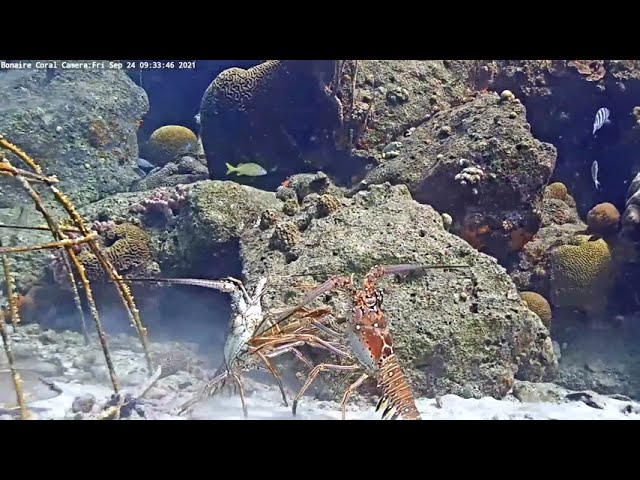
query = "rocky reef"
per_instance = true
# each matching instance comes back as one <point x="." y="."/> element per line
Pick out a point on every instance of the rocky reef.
<point x="480" y="163"/>
<point x="562" y="97"/>
<point x="184" y="171"/>
<point x="186" y="230"/>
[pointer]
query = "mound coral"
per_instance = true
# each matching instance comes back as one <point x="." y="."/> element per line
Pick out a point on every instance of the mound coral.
<point x="603" y="219"/>
<point x="291" y="207"/>
<point x="558" y="212"/>
<point x="168" y="142"/>
<point x="285" y="236"/>
<point x="97" y="226"/>
<point x="327" y="204"/>
<point x="581" y="274"/>
<point x="538" y="305"/>
<point x="556" y="190"/>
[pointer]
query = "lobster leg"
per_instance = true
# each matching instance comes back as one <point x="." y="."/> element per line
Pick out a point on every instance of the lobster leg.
<point x="209" y="390"/>
<point x="354" y="386"/>
<point x="188" y="405"/>
<point x="282" y="349"/>
<point x="314" y="373"/>
<point x="291" y="348"/>
<point x="301" y="357"/>
<point x="240" y="285"/>
<point x="317" y="342"/>
<point x="236" y="378"/>
<point x="331" y="284"/>
<point x="276" y="374"/>
<point x="304" y="339"/>
<point x="325" y="329"/>
<point x="260" y="289"/>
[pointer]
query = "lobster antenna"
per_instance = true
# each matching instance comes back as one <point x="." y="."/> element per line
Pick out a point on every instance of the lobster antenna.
<point x="401" y="269"/>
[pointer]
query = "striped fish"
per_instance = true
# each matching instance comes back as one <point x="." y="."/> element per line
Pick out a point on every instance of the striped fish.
<point x="602" y="117"/>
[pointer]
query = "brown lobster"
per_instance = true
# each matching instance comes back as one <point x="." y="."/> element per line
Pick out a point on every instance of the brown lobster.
<point x="370" y="341"/>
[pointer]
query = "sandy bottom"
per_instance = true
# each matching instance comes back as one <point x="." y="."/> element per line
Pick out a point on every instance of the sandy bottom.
<point x="62" y="363"/>
<point x="265" y="403"/>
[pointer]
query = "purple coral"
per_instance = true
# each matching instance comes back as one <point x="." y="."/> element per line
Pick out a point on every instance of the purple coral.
<point x="102" y="227"/>
<point x="164" y="202"/>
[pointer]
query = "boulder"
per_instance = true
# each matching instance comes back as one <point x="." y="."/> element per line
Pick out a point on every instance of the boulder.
<point x="479" y="163"/>
<point x="455" y="330"/>
<point x="78" y="124"/>
<point x="406" y="93"/>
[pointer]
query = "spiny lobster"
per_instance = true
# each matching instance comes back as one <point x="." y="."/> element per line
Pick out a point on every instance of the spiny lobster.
<point x="252" y="339"/>
<point x="369" y="339"/>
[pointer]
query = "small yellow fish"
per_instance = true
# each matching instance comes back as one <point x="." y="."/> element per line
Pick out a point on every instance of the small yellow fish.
<point x="249" y="169"/>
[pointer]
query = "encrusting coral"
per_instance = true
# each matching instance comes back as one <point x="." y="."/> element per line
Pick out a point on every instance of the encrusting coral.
<point x="268" y="219"/>
<point x="327" y="204"/>
<point x="285" y="236"/>
<point x="291" y="207"/>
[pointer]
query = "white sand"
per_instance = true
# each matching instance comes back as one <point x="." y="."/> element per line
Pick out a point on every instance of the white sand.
<point x="265" y="403"/>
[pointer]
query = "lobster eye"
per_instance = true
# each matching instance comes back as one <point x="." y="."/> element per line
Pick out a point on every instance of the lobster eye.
<point x="371" y="301"/>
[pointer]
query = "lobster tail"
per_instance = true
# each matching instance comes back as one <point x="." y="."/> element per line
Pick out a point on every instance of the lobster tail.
<point x="397" y="399"/>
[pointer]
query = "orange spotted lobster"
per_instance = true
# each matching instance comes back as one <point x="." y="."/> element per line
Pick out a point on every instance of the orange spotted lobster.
<point x="370" y="341"/>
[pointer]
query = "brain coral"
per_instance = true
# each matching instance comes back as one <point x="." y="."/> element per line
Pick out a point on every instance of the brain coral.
<point x="603" y="218"/>
<point x="167" y="142"/>
<point x="127" y="247"/>
<point x="538" y="305"/>
<point x="581" y="274"/>
<point x="271" y="110"/>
